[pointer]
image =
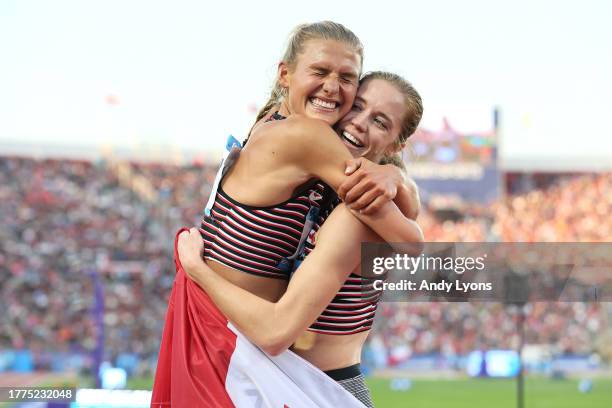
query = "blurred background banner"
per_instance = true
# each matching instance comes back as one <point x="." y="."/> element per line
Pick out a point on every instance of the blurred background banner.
<point x="456" y="164"/>
<point x="113" y="117"/>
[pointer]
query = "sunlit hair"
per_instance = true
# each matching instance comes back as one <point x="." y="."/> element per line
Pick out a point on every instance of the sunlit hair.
<point x="412" y="115"/>
<point x="322" y="30"/>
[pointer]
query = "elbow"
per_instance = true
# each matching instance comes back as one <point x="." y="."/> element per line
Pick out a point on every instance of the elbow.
<point x="419" y="238"/>
<point x="412" y="249"/>
<point x="413" y="243"/>
<point x="276" y="332"/>
<point x="274" y="350"/>
<point x="411" y="191"/>
<point x="417" y="248"/>
<point x="418" y="245"/>
<point x="275" y="342"/>
<point x="275" y="346"/>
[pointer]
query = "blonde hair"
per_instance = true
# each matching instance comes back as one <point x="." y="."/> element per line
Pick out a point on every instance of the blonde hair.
<point x="322" y="30"/>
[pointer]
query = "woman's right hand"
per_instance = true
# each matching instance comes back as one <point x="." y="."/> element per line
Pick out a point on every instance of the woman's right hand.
<point x="190" y="246"/>
<point x="370" y="185"/>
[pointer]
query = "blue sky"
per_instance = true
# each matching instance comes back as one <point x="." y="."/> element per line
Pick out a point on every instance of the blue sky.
<point x="187" y="73"/>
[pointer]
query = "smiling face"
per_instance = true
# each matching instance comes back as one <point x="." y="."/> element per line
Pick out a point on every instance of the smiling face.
<point x="372" y="127"/>
<point x="323" y="82"/>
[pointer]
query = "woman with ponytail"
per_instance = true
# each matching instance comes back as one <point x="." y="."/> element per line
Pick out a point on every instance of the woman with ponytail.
<point x="324" y="287"/>
<point x="267" y="209"/>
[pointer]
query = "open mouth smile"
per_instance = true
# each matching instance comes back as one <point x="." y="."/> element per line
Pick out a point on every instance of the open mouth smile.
<point x="352" y="139"/>
<point x="323" y="105"/>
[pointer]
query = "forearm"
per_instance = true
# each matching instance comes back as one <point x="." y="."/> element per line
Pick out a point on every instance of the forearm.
<point x="393" y="227"/>
<point x="407" y="199"/>
<point x="256" y="318"/>
<point x="275" y="326"/>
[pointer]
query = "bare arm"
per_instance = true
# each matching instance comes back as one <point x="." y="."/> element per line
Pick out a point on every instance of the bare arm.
<point x="369" y="185"/>
<point x="407" y="198"/>
<point x="404" y="230"/>
<point x="316" y="149"/>
<point x="275" y="326"/>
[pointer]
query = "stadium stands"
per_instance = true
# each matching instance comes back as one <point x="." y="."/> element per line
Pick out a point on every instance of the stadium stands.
<point x="64" y="219"/>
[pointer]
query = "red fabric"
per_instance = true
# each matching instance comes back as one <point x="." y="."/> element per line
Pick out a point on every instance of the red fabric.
<point x="195" y="350"/>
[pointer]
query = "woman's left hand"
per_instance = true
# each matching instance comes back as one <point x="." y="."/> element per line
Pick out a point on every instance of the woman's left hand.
<point x="369" y="185"/>
<point x="190" y="247"/>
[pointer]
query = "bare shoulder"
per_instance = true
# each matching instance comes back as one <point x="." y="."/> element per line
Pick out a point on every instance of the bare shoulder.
<point x="294" y="133"/>
<point x="303" y="124"/>
<point x="309" y="146"/>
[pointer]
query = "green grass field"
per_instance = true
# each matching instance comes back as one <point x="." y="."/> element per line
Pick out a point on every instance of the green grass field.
<point x="479" y="393"/>
<point x="476" y="393"/>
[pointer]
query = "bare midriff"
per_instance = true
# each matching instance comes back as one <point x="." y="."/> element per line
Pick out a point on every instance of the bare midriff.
<point x="265" y="288"/>
<point x="325" y="351"/>
<point x="330" y="352"/>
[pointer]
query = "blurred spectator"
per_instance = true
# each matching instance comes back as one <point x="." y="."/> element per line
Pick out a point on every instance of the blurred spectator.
<point x="63" y="219"/>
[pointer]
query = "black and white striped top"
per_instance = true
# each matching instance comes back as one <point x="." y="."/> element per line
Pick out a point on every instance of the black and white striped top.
<point x="255" y="239"/>
<point x="352" y="310"/>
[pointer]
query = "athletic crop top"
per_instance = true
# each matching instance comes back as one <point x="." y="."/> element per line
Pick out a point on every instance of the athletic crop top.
<point x="272" y="241"/>
<point x="262" y="240"/>
<point x="352" y="310"/>
<point x="265" y="241"/>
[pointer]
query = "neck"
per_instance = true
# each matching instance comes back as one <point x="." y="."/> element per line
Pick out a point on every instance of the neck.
<point x="283" y="110"/>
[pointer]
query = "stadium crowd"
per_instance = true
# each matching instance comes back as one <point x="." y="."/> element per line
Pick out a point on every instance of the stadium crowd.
<point x="65" y="221"/>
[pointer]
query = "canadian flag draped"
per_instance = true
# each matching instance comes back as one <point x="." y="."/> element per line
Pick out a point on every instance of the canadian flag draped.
<point x="205" y="362"/>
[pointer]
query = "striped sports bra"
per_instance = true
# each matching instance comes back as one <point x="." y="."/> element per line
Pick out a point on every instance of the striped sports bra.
<point x="261" y="240"/>
<point x="352" y="310"/>
<point x="272" y="241"/>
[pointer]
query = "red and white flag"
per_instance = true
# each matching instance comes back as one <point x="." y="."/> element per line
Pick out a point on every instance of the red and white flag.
<point x="205" y="362"/>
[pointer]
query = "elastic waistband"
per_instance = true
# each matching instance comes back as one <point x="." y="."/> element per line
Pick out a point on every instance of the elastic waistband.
<point x="345" y="373"/>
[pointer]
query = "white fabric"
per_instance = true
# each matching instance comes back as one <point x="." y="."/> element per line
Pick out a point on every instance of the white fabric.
<point x="257" y="380"/>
